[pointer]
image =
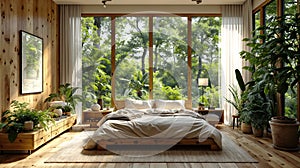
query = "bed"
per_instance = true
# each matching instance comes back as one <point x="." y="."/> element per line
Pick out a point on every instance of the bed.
<point x="153" y="126"/>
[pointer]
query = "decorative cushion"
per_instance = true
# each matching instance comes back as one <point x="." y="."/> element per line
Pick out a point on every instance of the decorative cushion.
<point x="170" y="104"/>
<point x="138" y="104"/>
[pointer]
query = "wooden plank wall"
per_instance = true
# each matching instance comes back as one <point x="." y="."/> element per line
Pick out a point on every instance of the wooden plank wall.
<point x="41" y="18"/>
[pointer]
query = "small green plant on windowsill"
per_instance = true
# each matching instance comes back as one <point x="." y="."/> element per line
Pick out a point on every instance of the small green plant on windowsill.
<point x="12" y="121"/>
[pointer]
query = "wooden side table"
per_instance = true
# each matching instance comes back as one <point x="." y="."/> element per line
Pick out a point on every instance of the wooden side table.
<point x="235" y="117"/>
<point x="218" y="112"/>
<point x="93" y="117"/>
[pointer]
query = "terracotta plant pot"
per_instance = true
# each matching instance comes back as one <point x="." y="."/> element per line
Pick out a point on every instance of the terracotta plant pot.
<point x="246" y="128"/>
<point x="257" y="132"/>
<point x="285" y="134"/>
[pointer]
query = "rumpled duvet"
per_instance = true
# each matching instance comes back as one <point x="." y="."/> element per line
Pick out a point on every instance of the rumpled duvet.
<point x="154" y="123"/>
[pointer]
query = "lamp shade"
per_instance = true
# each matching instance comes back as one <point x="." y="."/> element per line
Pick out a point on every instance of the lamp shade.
<point x="202" y="81"/>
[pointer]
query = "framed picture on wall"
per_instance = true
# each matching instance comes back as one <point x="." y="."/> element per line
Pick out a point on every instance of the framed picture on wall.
<point x="31" y="63"/>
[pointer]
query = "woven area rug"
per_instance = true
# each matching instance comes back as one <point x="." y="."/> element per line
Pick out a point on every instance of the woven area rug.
<point x="72" y="152"/>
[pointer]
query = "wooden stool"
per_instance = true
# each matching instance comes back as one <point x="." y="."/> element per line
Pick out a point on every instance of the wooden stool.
<point x="237" y="120"/>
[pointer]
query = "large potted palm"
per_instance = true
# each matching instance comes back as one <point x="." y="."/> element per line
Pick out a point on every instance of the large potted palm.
<point x="275" y="56"/>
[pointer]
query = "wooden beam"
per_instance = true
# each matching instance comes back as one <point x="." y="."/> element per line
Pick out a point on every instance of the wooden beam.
<point x="113" y="60"/>
<point x="189" y="67"/>
<point x="150" y="57"/>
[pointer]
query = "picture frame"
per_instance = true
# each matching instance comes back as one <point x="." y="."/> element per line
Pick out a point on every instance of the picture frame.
<point x="31" y="63"/>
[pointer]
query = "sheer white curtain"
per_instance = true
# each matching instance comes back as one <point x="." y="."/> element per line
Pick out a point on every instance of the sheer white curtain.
<point x="247" y="29"/>
<point x="70" y="49"/>
<point x="231" y="45"/>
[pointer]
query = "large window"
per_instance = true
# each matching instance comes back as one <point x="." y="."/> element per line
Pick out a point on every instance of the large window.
<point x="96" y="60"/>
<point x="132" y="57"/>
<point x="271" y="9"/>
<point x="290" y="6"/>
<point x="147" y="57"/>
<point x="170" y="57"/>
<point x="205" y="60"/>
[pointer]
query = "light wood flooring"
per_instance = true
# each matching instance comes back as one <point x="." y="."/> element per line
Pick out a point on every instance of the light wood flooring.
<point x="260" y="148"/>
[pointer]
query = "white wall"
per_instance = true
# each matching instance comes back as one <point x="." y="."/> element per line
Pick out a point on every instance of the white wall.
<point x="188" y="9"/>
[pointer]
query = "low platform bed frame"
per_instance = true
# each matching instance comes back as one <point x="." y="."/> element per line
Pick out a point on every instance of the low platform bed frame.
<point x="115" y="143"/>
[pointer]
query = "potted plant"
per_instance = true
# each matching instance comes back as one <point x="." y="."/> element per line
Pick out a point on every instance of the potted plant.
<point x="66" y="93"/>
<point x="276" y="60"/>
<point x="259" y="108"/>
<point x="67" y="109"/>
<point x="13" y="120"/>
<point x="239" y="100"/>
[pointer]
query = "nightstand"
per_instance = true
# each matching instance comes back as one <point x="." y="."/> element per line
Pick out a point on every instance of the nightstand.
<point x="93" y="117"/>
<point x="213" y="116"/>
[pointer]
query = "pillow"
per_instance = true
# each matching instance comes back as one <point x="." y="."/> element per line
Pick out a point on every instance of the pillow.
<point x="170" y="104"/>
<point x="138" y="104"/>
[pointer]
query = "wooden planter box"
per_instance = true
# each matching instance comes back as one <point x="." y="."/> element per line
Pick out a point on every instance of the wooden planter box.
<point x="32" y="140"/>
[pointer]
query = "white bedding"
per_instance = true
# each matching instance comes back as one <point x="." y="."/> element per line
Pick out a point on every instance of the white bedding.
<point x="154" y="123"/>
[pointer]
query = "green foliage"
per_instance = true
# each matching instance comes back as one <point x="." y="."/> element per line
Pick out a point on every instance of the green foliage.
<point x="95" y="55"/>
<point x="291" y="104"/>
<point x="101" y="86"/>
<point x="240" y="80"/>
<point x="239" y="98"/>
<point x="257" y="109"/>
<point x="67" y="94"/>
<point x="138" y="85"/>
<point x="237" y="101"/>
<point x="171" y="93"/>
<point x="279" y="44"/>
<point x="32" y="49"/>
<point x="13" y="120"/>
<point x="67" y="108"/>
<point x="169" y="54"/>
<point x="213" y="96"/>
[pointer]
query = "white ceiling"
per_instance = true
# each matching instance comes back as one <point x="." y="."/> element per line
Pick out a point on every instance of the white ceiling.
<point x="149" y="2"/>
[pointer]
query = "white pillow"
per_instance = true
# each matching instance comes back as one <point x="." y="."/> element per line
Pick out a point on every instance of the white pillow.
<point x="138" y="104"/>
<point x="170" y="104"/>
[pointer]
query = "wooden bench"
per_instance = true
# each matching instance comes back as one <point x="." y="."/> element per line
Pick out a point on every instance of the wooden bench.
<point x="32" y="140"/>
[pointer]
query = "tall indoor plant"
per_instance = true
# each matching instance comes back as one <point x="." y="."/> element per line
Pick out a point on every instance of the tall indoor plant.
<point x="275" y="60"/>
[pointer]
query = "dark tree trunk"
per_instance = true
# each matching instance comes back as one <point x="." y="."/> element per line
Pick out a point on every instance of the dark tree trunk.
<point x="100" y="102"/>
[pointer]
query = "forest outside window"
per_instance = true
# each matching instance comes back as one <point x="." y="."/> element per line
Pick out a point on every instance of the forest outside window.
<point x="149" y="57"/>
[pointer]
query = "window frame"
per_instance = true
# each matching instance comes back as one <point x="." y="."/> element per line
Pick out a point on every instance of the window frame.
<point x="120" y="103"/>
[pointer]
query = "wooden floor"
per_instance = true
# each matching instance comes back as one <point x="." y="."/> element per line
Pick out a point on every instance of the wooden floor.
<point x="260" y="148"/>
